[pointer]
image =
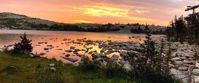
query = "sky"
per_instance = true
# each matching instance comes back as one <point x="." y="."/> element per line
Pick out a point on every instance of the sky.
<point x="158" y="12"/>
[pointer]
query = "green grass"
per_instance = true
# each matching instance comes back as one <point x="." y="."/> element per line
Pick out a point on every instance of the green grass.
<point x="26" y="67"/>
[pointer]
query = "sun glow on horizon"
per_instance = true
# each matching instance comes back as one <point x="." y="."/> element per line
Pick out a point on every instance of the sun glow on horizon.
<point x="100" y="11"/>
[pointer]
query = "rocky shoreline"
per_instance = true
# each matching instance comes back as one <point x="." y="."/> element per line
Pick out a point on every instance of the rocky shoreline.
<point x="184" y="63"/>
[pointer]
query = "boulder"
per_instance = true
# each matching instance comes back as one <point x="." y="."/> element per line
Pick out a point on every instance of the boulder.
<point x="183" y="68"/>
<point x="1" y="50"/>
<point x="127" y="66"/>
<point x="115" y="57"/>
<point x="176" y="59"/>
<point x="178" y="62"/>
<point x="195" y="72"/>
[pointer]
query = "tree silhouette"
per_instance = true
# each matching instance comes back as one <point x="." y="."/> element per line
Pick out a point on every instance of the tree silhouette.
<point x="24" y="46"/>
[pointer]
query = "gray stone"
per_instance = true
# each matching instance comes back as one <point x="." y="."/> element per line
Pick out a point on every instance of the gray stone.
<point x="183" y="68"/>
<point x="195" y="72"/>
<point x="178" y="62"/>
<point x="115" y="57"/>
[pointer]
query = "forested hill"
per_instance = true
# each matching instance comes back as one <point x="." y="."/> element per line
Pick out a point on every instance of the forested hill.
<point x="17" y="21"/>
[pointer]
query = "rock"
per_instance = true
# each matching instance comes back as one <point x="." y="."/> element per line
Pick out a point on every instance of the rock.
<point x="127" y="66"/>
<point x="124" y="54"/>
<point x="59" y="49"/>
<point x="176" y="59"/>
<point x="196" y="79"/>
<point x="71" y="59"/>
<point x="115" y="57"/>
<point x="69" y="51"/>
<point x="183" y="68"/>
<point x="197" y="64"/>
<point x="103" y="56"/>
<point x="53" y="69"/>
<point x="67" y="55"/>
<point x="76" y="50"/>
<point x="195" y="72"/>
<point x="76" y="64"/>
<point x="1" y="50"/>
<point x="72" y="47"/>
<point x="65" y="39"/>
<point x="52" y="65"/>
<point x="46" y="48"/>
<point x="95" y="56"/>
<point x="178" y="62"/>
<point x="42" y="54"/>
<point x="188" y="62"/>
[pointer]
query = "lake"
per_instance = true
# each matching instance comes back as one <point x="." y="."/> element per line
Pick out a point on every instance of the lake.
<point x="58" y="44"/>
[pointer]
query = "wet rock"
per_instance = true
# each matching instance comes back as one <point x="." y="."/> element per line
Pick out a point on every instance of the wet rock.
<point x="79" y="55"/>
<point x="65" y="39"/>
<point x="37" y="45"/>
<point x="76" y="50"/>
<point x="103" y="56"/>
<point x="115" y="57"/>
<point x="69" y="51"/>
<point x="95" y="56"/>
<point x="59" y="49"/>
<point x="49" y="45"/>
<point x="71" y="59"/>
<point x="72" y="47"/>
<point x="42" y="54"/>
<point x="67" y="55"/>
<point x="124" y="53"/>
<point x="46" y="48"/>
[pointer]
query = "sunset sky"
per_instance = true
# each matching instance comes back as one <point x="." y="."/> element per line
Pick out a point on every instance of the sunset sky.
<point x="100" y="11"/>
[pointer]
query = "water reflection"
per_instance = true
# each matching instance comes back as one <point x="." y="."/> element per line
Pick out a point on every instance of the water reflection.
<point x="59" y="44"/>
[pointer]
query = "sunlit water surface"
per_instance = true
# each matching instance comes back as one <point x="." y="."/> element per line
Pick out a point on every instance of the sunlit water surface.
<point x="63" y="40"/>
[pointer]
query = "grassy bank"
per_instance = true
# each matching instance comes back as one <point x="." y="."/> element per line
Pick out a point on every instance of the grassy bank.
<point x="23" y="69"/>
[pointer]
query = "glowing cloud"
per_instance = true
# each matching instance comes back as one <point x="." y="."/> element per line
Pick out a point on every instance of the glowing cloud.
<point x="108" y="11"/>
<point x="100" y="11"/>
<point x="81" y="21"/>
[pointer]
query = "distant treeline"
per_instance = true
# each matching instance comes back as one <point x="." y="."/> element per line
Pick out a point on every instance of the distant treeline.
<point x="140" y="29"/>
<point x="184" y="29"/>
<point x="76" y="27"/>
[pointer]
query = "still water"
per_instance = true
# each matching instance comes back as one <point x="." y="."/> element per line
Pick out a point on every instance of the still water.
<point x="57" y="44"/>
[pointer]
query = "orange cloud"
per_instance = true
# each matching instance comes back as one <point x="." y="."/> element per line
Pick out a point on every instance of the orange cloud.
<point x="100" y="11"/>
<point x="81" y="21"/>
<point x="109" y="11"/>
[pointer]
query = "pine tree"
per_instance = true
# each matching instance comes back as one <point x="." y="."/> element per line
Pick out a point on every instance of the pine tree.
<point x="24" y="46"/>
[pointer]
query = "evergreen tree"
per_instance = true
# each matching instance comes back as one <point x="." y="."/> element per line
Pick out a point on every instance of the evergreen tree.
<point x="24" y="46"/>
